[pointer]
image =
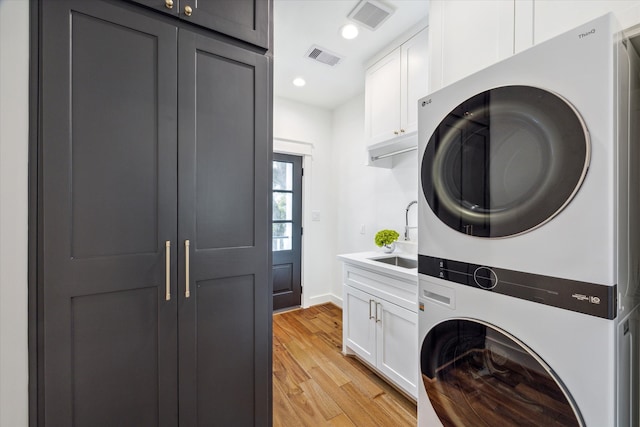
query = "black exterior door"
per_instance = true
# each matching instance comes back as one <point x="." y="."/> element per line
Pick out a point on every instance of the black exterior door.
<point x="287" y="231"/>
<point x="225" y="347"/>
<point x="108" y="190"/>
<point x="154" y="261"/>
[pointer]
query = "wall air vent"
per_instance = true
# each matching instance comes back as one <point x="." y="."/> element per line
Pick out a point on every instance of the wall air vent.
<point x="321" y="54"/>
<point x="370" y="13"/>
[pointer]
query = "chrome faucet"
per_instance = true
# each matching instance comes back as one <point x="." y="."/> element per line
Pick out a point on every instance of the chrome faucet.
<point x="406" y="220"/>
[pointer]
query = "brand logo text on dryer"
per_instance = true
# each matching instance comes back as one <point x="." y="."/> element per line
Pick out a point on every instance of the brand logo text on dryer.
<point x="588" y="33"/>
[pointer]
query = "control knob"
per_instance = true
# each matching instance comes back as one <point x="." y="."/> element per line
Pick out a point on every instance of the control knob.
<point x="485" y="277"/>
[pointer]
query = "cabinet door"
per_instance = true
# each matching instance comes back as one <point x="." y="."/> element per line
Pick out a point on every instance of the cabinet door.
<point x="397" y="345"/>
<point x="171" y="7"/>
<point x="359" y="331"/>
<point x="467" y="36"/>
<point x="224" y="186"/>
<point x="382" y="99"/>
<point x="246" y="20"/>
<point x="553" y="17"/>
<point x="414" y="80"/>
<point x="107" y="342"/>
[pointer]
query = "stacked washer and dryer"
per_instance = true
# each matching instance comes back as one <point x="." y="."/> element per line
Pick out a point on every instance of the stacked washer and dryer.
<point x="529" y="239"/>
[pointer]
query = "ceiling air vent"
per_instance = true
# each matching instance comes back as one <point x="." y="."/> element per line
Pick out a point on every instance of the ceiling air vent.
<point x="370" y="13"/>
<point x="321" y="54"/>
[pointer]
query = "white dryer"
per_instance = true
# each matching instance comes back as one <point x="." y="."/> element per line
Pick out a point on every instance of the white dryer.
<point x="528" y="238"/>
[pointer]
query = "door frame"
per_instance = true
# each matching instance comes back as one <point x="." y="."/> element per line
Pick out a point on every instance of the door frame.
<point x="304" y="150"/>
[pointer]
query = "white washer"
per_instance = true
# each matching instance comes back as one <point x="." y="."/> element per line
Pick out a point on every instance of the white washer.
<point x="493" y="360"/>
<point x="528" y="196"/>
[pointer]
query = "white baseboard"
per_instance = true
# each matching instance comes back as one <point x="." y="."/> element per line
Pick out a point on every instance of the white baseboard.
<point x="323" y="299"/>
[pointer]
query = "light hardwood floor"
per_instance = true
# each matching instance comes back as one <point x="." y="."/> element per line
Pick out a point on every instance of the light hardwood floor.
<point x="315" y="385"/>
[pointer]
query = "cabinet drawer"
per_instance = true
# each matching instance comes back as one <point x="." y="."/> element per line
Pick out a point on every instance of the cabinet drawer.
<point x="392" y="289"/>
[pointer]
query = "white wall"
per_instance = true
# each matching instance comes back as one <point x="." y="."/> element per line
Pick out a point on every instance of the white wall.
<point x="369" y="196"/>
<point x="303" y="123"/>
<point x="14" y="116"/>
<point x="347" y="193"/>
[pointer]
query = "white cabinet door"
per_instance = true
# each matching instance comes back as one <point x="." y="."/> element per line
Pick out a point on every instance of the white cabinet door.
<point x="414" y="80"/>
<point x="397" y="345"/>
<point x="393" y="86"/>
<point x="553" y="17"/>
<point x="467" y="36"/>
<point x="382" y="99"/>
<point x="359" y="323"/>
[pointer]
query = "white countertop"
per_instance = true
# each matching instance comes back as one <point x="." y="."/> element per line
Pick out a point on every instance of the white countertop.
<point x="366" y="260"/>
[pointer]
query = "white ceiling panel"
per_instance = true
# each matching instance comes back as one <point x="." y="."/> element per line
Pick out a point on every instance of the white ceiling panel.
<point x="301" y="24"/>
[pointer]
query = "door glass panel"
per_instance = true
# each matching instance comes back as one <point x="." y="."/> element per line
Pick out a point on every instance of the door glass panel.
<point x="505" y="161"/>
<point x="493" y="378"/>
<point x="282" y="206"/>
<point x="282" y="175"/>
<point x="282" y="234"/>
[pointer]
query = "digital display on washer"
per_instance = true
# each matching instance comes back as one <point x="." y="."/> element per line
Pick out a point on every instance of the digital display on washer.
<point x="582" y="297"/>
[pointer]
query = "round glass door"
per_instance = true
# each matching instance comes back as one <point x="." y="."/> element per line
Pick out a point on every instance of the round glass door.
<point x="505" y="161"/>
<point x="477" y="375"/>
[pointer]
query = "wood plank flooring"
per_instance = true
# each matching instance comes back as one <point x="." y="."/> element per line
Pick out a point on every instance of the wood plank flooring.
<point x="315" y="385"/>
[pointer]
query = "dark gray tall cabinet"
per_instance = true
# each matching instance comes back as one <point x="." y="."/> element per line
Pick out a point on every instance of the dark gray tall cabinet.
<point x="153" y="262"/>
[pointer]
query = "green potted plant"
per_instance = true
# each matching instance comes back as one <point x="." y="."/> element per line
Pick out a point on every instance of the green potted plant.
<point x="387" y="239"/>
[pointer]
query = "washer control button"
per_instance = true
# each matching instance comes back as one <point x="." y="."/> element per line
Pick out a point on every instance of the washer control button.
<point x="485" y="277"/>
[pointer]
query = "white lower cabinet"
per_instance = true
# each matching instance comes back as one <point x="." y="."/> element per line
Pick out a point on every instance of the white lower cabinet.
<point x="359" y="327"/>
<point x="382" y="333"/>
<point x="397" y="345"/>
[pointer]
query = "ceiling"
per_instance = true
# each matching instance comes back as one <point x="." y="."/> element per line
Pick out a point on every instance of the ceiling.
<point x="299" y="24"/>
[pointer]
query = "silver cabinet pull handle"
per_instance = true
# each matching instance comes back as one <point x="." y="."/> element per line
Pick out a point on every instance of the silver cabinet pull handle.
<point x="370" y="315"/>
<point x="167" y="272"/>
<point x="378" y="319"/>
<point x="187" y="294"/>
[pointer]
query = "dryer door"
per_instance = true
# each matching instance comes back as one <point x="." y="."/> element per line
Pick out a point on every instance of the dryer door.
<point x="505" y="161"/>
<point x="477" y="375"/>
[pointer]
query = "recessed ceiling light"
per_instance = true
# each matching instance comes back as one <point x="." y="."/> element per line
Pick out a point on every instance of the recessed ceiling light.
<point x="299" y="81"/>
<point x="349" y="31"/>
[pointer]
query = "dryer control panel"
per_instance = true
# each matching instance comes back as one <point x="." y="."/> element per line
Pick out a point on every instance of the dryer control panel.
<point x="583" y="297"/>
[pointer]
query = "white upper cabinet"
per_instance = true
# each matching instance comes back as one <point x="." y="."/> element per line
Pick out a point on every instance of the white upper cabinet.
<point x="553" y="17"/>
<point x="414" y="79"/>
<point x="467" y="36"/>
<point x="393" y="86"/>
<point x="383" y="99"/>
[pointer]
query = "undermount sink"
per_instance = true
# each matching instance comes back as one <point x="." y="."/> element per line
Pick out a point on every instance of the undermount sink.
<point x="398" y="261"/>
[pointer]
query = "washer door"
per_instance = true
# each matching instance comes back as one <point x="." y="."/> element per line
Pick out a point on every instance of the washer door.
<point x="505" y="161"/>
<point x="477" y="375"/>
